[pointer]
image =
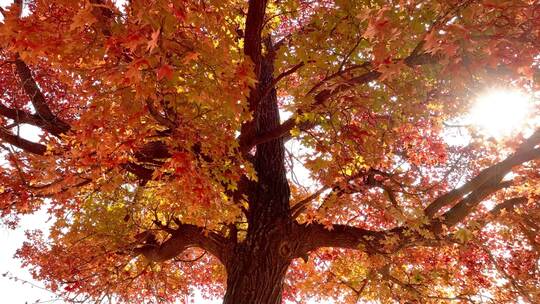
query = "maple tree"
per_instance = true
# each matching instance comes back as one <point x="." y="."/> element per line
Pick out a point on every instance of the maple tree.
<point x="165" y="165"/>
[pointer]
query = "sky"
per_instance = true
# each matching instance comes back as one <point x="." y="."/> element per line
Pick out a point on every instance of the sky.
<point x="20" y="292"/>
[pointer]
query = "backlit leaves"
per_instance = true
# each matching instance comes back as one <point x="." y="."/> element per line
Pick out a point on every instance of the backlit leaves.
<point x="160" y="90"/>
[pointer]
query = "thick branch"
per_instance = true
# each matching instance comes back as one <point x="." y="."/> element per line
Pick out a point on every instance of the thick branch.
<point x="143" y="173"/>
<point x="104" y="15"/>
<point x="341" y="236"/>
<point x="158" y="117"/>
<point x="252" y="38"/>
<point x="21" y="117"/>
<point x="462" y="209"/>
<point x="22" y="143"/>
<point x="523" y="154"/>
<point x="483" y="185"/>
<point x="508" y="205"/>
<point x="51" y="122"/>
<point x="44" y="118"/>
<point x="253" y="49"/>
<point x="187" y="236"/>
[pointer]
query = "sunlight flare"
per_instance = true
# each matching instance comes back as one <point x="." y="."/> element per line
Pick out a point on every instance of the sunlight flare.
<point x="500" y="112"/>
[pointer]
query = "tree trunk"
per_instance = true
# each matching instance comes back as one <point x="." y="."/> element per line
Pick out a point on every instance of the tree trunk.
<point x="256" y="278"/>
<point x="255" y="273"/>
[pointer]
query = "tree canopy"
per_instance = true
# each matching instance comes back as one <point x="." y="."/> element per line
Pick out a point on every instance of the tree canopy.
<point x="272" y="150"/>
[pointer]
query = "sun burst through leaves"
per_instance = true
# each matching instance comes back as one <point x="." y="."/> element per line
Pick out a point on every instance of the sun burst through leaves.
<point x="499" y="113"/>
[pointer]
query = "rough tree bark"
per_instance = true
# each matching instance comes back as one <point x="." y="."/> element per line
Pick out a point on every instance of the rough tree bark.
<point x="257" y="271"/>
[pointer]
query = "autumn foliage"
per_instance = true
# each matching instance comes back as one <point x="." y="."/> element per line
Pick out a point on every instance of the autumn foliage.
<point x="164" y="163"/>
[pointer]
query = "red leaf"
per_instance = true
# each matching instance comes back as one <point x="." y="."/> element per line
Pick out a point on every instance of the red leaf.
<point x="165" y="71"/>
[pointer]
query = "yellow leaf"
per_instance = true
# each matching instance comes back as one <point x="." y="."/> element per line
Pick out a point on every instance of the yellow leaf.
<point x="295" y="132"/>
<point x="463" y="235"/>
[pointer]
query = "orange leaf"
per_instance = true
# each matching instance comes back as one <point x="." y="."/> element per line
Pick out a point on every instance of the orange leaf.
<point x="165" y="71"/>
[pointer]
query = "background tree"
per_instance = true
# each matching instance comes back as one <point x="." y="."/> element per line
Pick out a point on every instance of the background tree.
<point x="162" y="156"/>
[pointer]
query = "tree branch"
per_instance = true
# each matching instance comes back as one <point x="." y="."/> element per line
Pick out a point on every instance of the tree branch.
<point x="340" y="236"/>
<point x="487" y="182"/>
<point x="21" y="117"/>
<point x="462" y="209"/>
<point x="184" y="237"/>
<point x="158" y="117"/>
<point x="300" y="207"/>
<point x="21" y="143"/>
<point x="143" y="173"/>
<point x="507" y="205"/>
<point x="322" y="97"/>
<point x="20" y="7"/>
<point x="51" y="123"/>
<point x="522" y="154"/>
<point x="279" y="77"/>
<point x="252" y="38"/>
<point x="46" y="120"/>
<point x="253" y="50"/>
